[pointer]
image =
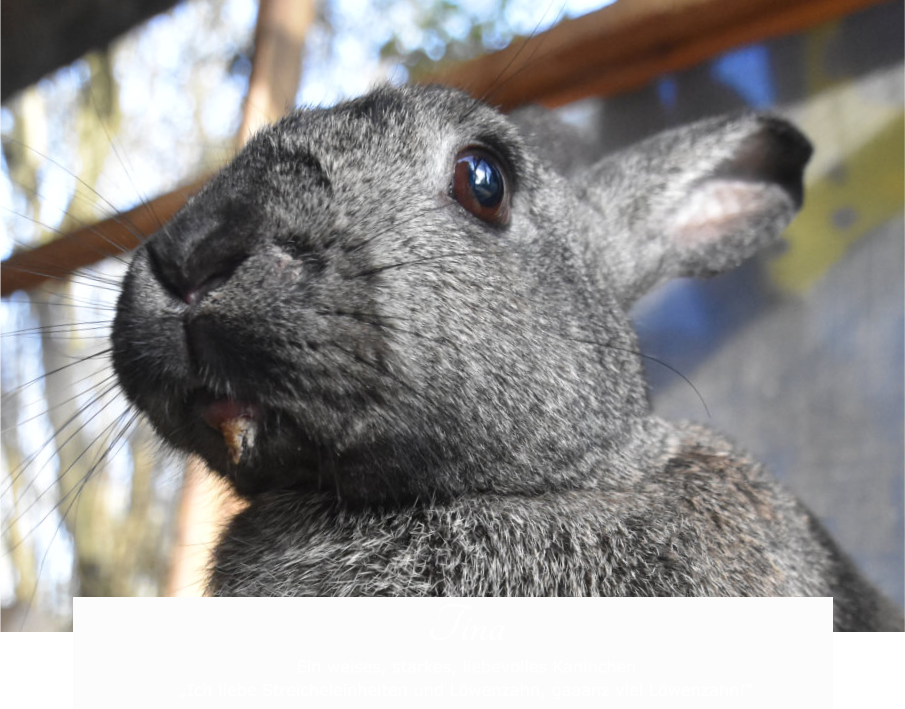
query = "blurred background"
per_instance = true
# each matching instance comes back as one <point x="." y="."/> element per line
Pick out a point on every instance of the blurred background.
<point x="798" y="355"/>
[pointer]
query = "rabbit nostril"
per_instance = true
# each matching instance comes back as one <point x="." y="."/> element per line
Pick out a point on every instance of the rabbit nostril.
<point x="194" y="295"/>
<point x="206" y="280"/>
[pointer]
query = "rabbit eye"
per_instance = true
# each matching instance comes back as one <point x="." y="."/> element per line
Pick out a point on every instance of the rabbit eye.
<point x="481" y="186"/>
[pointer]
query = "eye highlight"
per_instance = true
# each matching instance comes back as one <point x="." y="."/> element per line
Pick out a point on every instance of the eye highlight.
<point x="481" y="185"/>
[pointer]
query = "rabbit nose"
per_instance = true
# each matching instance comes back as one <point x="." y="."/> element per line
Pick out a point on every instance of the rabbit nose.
<point x="192" y="276"/>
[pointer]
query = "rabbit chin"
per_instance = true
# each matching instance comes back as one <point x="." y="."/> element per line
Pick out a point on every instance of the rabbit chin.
<point x="259" y="447"/>
<point x="262" y="446"/>
<point x="254" y="448"/>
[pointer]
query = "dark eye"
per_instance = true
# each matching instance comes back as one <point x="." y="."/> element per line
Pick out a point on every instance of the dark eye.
<point x="481" y="186"/>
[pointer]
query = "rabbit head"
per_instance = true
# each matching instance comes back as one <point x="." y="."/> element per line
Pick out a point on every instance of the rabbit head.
<point x="401" y="297"/>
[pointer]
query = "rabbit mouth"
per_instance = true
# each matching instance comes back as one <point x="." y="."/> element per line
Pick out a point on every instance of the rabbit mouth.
<point x="256" y="447"/>
<point x="237" y="422"/>
<point x="225" y="431"/>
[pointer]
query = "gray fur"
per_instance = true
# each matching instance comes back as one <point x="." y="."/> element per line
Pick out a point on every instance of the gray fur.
<point x="448" y="407"/>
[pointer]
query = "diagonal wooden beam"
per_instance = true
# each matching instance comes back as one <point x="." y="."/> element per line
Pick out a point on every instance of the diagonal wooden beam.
<point x="87" y="245"/>
<point x="619" y="48"/>
<point x="630" y="43"/>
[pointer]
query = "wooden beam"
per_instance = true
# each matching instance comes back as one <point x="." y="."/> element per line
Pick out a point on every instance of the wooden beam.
<point x="87" y="245"/>
<point x="614" y="50"/>
<point x="628" y="44"/>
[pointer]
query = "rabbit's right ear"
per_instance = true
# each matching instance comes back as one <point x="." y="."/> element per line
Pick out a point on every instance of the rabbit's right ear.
<point x="692" y="202"/>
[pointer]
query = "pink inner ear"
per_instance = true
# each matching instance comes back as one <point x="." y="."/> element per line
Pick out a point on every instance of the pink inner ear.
<point x="717" y="209"/>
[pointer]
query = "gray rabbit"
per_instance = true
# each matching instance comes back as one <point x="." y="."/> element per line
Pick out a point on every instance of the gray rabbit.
<point x="398" y="328"/>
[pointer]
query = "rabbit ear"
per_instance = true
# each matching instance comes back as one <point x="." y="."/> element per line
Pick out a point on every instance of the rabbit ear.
<point x="695" y="201"/>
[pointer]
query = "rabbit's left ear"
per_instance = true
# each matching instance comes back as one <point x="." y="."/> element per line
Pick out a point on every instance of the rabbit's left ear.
<point x="692" y="202"/>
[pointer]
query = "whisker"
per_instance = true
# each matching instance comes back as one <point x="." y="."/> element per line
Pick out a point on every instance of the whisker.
<point x="60" y="232"/>
<point x="68" y="468"/>
<point x="65" y="401"/>
<point x="80" y="360"/>
<point x="85" y="326"/>
<point x="380" y="321"/>
<point x="73" y="418"/>
<point x="124" y="163"/>
<point x="499" y="82"/>
<point x="76" y="497"/>
<point x="129" y="226"/>
<point x="401" y="264"/>
<point x="113" y="286"/>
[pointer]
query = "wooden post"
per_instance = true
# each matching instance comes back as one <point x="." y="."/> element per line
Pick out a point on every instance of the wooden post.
<point x="277" y="67"/>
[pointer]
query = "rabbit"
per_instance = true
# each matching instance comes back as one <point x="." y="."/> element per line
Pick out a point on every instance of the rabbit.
<point x="397" y="327"/>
